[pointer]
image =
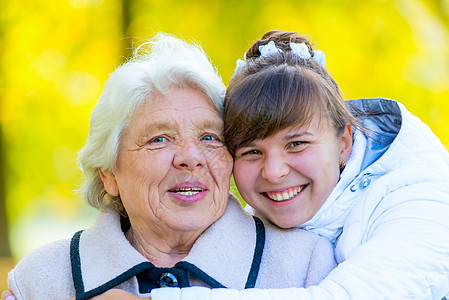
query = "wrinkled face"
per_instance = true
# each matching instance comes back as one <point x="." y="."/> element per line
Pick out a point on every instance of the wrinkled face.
<point x="288" y="176"/>
<point x="172" y="169"/>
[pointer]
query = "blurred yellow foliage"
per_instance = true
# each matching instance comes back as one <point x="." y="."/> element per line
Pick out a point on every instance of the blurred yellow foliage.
<point x="56" y="55"/>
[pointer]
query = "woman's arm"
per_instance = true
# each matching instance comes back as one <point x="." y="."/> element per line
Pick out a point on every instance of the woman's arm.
<point x="403" y="254"/>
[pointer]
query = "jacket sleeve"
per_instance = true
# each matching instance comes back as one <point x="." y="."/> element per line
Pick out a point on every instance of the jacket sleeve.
<point x="403" y="254"/>
<point x="13" y="286"/>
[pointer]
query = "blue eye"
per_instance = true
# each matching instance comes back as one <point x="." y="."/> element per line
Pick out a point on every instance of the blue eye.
<point x="208" y="137"/>
<point x="158" y="140"/>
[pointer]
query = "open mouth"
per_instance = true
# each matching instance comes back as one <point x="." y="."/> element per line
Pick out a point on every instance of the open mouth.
<point x="285" y="195"/>
<point x="187" y="191"/>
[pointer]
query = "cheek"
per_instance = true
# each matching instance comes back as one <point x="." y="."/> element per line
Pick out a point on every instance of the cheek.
<point x="323" y="159"/>
<point x="323" y="168"/>
<point x="244" y="176"/>
<point x="156" y="166"/>
<point x="227" y="164"/>
<point x="220" y="165"/>
<point x="150" y="170"/>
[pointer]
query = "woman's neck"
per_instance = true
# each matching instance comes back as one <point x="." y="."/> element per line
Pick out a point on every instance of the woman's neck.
<point x="162" y="250"/>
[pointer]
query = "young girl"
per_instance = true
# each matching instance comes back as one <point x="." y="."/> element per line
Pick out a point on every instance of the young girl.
<point x="366" y="174"/>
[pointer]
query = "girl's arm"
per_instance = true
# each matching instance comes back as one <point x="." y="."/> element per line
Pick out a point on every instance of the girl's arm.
<point x="116" y="294"/>
<point x="8" y="295"/>
<point x="113" y="294"/>
<point x="402" y="253"/>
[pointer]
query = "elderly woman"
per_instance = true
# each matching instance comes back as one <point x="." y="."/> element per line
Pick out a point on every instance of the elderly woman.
<point x="156" y="167"/>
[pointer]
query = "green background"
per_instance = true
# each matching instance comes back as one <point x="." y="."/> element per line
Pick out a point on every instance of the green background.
<point x="55" y="56"/>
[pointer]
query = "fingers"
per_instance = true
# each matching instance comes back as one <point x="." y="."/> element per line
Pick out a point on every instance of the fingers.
<point x="113" y="294"/>
<point x="116" y="294"/>
<point x="8" y="295"/>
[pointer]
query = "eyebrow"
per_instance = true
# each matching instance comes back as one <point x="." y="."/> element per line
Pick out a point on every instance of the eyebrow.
<point x="158" y="127"/>
<point x="169" y="125"/>
<point x="285" y="138"/>
<point x="296" y="135"/>
<point x="211" y="124"/>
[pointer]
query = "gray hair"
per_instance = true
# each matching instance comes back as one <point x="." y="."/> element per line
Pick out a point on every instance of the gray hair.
<point x="156" y="68"/>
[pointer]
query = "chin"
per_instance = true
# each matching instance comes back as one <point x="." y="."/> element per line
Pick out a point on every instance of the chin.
<point x="199" y="222"/>
<point x="189" y="227"/>
<point x="287" y="223"/>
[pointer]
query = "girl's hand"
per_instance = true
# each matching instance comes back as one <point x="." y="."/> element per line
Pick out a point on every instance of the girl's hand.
<point x="113" y="294"/>
<point x="8" y="295"/>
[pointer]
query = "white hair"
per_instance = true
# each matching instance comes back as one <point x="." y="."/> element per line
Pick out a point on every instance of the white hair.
<point x="156" y="68"/>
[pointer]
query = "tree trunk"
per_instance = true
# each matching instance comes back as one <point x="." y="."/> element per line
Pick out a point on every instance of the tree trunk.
<point x="126" y="22"/>
<point x="5" y="250"/>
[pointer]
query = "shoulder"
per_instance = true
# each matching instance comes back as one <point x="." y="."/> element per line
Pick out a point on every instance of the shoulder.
<point x="295" y="243"/>
<point x="43" y="273"/>
<point x="415" y="186"/>
<point x="403" y="180"/>
<point x="405" y="196"/>
<point x="289" y="236"/>
<point x="294" y="257"/>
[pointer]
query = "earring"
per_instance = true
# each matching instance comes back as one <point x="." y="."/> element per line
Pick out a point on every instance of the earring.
<point x="342" y="166"/>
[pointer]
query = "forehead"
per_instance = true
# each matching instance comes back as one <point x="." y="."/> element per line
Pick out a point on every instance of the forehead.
<point x="316" y="121"/>
<point x="180" y="107"/>
<point x="318" y="129"/>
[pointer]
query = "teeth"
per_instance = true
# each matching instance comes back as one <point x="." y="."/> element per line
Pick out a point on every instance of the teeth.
<point x="285" y="195"/>
<point x="188" y="191"/>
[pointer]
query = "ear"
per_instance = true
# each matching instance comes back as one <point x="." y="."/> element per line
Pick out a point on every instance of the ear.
<point x="109" y="182"/>
<point x="346" y="144"/>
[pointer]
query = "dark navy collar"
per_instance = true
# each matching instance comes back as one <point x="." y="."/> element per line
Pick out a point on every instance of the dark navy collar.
<point x="149" y="276"/>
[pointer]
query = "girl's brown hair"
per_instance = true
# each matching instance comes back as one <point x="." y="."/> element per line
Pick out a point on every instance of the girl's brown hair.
<point x="272" y="93"/>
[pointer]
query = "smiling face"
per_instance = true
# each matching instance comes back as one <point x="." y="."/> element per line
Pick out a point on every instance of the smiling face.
<point x="172" y="171"/>
<point x="288" y="176"/>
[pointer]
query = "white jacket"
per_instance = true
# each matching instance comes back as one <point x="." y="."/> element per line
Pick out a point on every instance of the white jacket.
<point x="235" y="251"/>
<point x="388" y="217"/>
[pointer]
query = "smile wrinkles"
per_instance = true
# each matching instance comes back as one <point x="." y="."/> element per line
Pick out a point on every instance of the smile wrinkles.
<point x="285" y="194"/>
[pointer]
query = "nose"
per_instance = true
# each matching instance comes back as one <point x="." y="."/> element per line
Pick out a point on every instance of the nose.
<point x="190" y="155"/>
<point x="275" y="168"/>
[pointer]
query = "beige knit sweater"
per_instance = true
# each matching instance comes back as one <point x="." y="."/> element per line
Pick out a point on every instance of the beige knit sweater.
<point x="224" y="252"/>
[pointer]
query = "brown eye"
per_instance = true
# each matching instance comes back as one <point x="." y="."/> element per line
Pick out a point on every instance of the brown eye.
<point x="251" y="152"/>
<point x="295" y="144"/>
